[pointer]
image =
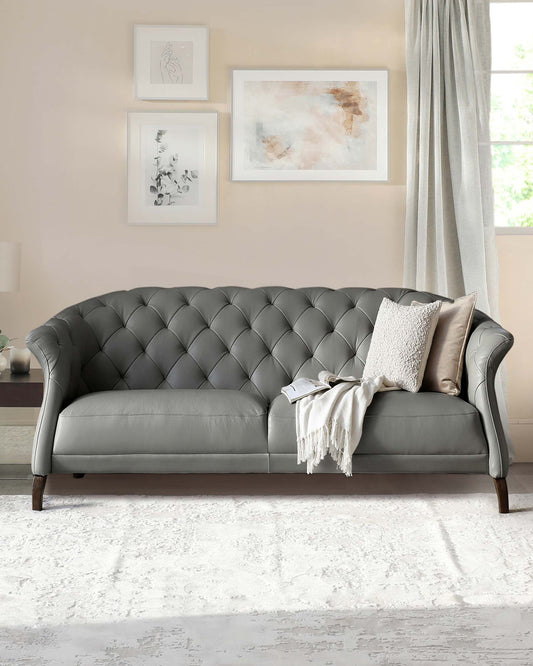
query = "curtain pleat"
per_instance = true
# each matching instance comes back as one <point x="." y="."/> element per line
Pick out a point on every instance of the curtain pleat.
<point x="450" y="242"/>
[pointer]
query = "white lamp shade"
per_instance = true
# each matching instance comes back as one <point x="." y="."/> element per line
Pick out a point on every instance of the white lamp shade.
<point x="9" y="266"/>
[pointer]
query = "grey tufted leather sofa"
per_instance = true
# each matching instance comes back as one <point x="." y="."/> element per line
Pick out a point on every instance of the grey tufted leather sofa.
<point x="188" y="380"/>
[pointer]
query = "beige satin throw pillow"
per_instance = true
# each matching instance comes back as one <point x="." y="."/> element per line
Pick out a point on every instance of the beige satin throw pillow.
<point x="444" y="366"/>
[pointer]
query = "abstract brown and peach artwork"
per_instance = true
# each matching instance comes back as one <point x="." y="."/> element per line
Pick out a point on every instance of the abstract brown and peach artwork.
<point x="310" y="125"/>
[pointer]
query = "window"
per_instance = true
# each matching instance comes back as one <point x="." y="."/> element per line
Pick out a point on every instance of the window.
<point x="511" y="126"/>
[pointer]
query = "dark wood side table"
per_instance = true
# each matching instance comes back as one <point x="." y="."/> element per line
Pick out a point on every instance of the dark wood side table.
<point x="20" y="391"/>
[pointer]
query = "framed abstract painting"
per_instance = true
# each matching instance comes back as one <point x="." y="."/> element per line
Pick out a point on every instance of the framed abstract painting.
<point x="171" y="61"/>
<point x="310" y="124"/>
<point x="172" y="168"/>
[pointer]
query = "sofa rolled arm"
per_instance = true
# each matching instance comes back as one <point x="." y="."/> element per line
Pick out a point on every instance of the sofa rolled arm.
<point x="486" y="348"/>
<point x="52" y="346"/>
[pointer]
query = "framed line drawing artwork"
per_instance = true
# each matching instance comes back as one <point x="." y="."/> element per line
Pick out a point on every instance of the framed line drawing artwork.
<point x="171" y="62"/>
<point x="172" y="167"/>
<point x="310" y="124"/>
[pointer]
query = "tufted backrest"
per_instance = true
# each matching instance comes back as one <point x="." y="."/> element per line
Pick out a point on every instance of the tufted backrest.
<point x="225" y="338"/>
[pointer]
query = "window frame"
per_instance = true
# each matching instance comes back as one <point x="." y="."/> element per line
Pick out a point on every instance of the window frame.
<point x="510" y="231"/>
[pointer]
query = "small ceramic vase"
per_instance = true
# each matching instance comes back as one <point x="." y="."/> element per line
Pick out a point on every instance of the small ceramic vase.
<point x="19" y="361"/>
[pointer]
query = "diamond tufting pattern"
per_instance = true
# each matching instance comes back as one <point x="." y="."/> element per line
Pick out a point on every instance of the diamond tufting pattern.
<point x="225" y="338"/>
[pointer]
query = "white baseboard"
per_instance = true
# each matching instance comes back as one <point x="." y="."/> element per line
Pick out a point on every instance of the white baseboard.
<point x="22" y="416"/>
<point x="15" y="444"/>
<point x="522" y="436"/>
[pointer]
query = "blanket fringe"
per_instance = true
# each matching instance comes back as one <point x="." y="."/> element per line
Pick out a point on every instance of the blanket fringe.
<point x="332" y="438"/>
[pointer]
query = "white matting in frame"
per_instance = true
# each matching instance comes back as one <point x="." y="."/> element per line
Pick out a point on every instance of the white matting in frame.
<point x="310" y="125"/>
<point x="172" y="168"/>
<point x="171" y="62"/>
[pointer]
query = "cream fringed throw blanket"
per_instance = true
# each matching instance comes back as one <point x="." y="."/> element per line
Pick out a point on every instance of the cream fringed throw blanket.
<point x="333" y="421"/>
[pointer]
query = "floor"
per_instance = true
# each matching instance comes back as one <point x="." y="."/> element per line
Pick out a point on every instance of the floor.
<point x="257" y="570"/>
<point x="16" y="480"/>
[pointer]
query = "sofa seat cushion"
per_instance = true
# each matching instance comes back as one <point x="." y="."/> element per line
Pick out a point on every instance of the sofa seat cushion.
<point x="163" y="421"/>
<point x="397" y="422"/>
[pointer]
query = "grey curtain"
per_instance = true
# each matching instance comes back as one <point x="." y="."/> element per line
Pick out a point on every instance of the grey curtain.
<point x="450" y="243"/>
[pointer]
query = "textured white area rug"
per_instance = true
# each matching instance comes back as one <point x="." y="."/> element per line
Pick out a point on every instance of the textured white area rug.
<point x="278" y="580"/>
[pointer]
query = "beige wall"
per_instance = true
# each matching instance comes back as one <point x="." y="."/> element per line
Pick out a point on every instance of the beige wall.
<point x="66" y="73"/>
<point x="516" y="304"/>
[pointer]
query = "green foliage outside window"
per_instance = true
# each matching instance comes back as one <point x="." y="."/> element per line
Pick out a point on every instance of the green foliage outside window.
<point x="512" y="165"/>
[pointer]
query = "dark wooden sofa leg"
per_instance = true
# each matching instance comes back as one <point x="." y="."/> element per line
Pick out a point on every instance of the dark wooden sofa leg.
<point x="503" y="495"/>
<point x="78" y="476"/>
<point x="37" y="492"/>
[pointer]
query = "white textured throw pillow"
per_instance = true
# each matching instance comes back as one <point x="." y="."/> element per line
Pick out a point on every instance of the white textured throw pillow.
<point x="401" y="342"/>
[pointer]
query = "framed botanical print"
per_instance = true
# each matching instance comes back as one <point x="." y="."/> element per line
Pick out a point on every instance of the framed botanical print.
<point x="171" y="62"/>
<point x="172" y="168"/>
<point x="309" y="124"/>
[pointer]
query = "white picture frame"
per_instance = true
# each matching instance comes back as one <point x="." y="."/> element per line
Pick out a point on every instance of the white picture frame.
<point x="310" y="124"/>
<point x="171" y="62"/>
<point x="172" y="167"/>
